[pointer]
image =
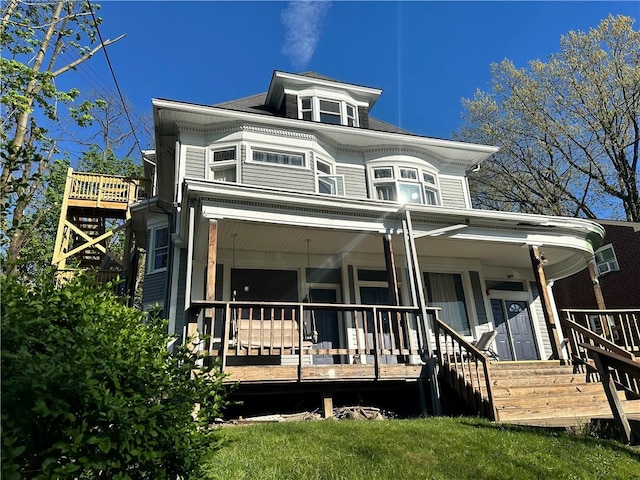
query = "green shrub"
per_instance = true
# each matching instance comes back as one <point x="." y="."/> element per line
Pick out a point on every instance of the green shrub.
<point x="89" y="389"/>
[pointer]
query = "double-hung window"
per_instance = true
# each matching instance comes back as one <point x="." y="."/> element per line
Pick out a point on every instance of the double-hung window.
<point x="405" y="184"/>
<point x="325" y="110"/>
<point x="222" y="163"/>
<point x="159" y="249"/>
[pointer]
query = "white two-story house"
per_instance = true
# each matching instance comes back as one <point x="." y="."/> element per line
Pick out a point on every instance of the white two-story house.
<point x="283" y="221"/>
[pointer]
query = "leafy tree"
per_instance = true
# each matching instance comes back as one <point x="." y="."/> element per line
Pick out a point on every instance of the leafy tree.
<point x="568" y="128"/>
<point x="40" y="42"/>
<point x="89" y="389"/>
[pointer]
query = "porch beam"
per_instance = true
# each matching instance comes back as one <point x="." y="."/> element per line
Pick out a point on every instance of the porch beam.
<point x="547" y="307"/>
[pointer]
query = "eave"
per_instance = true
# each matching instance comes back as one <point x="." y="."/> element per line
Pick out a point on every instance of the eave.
<point x="464" y="155"/>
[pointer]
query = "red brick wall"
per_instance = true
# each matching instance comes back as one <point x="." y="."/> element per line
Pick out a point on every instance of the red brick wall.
<point x="620" y="289"/>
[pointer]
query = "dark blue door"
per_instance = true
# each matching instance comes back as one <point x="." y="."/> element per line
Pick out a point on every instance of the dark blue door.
<point x="326" y="324"/>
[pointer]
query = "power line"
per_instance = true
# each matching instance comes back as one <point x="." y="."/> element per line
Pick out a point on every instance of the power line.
<point x="115" y="80"/>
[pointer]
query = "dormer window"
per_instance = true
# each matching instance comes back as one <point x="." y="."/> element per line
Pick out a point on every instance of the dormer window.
<point x="336" y="112"/>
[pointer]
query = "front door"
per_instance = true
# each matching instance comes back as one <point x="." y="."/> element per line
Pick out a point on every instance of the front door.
<point x="515" y="339"/>
<point x="325" y="322"/>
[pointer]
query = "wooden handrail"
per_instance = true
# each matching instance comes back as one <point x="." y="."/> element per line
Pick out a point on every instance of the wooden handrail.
<point x="107" y="188"/>
<point x="610" y="366"/>
<point x="619" y="326"/>
<point x="460" y="366"/>
<point x="575" y="329"/>
<point x="276" y="328"/>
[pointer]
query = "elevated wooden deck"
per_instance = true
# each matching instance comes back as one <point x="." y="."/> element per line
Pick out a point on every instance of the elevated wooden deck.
<point x="263" y="342"/>
<point x="94" y="227"/>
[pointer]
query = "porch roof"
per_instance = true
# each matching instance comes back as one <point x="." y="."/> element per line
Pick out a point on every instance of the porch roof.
<point x="269" y="220"/>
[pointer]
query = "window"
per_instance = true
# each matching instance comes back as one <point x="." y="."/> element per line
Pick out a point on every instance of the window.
<point x="336" y="112"/>
<point x="327" y="183"/>
<point x="606" y="260"/>
<point x="306" y="108"/>
<point x="222" y="164"/>
<point x="406" y="185"/>
<point x="280" y="158"/>
<point x="445" y="290"/>
<point x="159" y="249"/>
<point x="330" y="112"/>
<point x="224" y="155"/>
<point x="351" y="116"/>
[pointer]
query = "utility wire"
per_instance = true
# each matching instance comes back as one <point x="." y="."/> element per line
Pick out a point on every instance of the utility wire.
<point x="115" y="80"/>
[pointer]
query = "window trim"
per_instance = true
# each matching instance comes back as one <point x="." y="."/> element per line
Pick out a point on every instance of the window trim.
<point x="153" y="248"/>
<point x="406" y="174"/>
<point x="317" y="112"/>
<point x="612" y="265"/>
<point x="214" y="166"/>
<point x="267" y="150"/>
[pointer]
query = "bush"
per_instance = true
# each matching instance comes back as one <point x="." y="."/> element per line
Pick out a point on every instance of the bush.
<point x="89" y="389"/>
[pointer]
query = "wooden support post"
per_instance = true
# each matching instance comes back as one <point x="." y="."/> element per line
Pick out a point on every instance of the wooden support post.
<point x="596" y="285"/>
<point x="390" y="262"/>
<point x="327" y="405"/>
<point x="212" y="252"/>
<point x="61" y="237"/>
<point x="547" y="308"/>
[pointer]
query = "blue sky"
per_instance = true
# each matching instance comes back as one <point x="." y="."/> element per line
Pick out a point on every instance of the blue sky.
<point x="425" y="56"/>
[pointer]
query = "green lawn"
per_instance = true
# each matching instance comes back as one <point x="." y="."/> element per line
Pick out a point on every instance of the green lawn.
<point x="433" y="448"/>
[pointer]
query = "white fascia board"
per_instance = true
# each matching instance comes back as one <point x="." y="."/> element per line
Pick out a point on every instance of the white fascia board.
<point x="478" y="152"/>
<point x="282" y="78"/>
<point x="539" y="229"/>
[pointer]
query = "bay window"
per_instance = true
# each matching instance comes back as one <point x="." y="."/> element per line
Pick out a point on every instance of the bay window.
<point x="405" y="184"/>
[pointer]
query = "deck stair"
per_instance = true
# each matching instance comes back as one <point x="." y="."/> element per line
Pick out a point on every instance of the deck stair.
<point x="546" y="393"/>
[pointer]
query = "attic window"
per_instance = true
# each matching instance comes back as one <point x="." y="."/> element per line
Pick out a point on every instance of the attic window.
<point x="325" y="110"/>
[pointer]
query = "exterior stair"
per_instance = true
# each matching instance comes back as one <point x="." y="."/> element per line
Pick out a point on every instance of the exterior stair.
<point x="546" y="393"/>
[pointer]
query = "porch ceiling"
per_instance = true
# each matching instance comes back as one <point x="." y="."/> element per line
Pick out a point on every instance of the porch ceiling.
<point x="269" y="239"/>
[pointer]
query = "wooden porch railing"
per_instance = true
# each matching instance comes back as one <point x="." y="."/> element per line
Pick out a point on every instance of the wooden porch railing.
<point x="107" y="188"/>
<point x="465" y="368"/>
<point x="620" y="327"/>
<point x="582" y="340"/>
<point x="610" y="367"/>
<point x="268" y="333"/>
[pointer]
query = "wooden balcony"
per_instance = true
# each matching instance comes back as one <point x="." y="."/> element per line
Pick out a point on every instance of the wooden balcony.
<point x="89" y="190"/>
<point x="263" y="342"/>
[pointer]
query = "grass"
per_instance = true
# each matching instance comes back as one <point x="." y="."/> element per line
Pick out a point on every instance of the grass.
<point x="433" y="448"/>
